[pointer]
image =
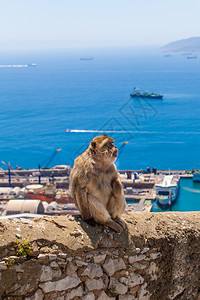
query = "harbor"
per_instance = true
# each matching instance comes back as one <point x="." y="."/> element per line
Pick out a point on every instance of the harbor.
<point x="51" y="187"/>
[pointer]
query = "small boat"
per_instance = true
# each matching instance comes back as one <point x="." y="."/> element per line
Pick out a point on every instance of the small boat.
<point x="138" y="94"/>
<point x="196" y="176"/>
<point x="167" y="190"/>
<point x="32" y="65"/>
<point x="192" y="57"/>
<point x="86" y="58"/>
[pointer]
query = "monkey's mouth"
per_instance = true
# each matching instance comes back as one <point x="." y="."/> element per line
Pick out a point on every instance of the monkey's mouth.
<point x="115" y="153"/>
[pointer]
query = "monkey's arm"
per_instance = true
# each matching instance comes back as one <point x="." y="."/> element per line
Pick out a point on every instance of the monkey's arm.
<point x="82" y="202"/>
<point x="116" y="187"/>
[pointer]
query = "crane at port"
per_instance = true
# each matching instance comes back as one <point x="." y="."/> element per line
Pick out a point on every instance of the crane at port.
<point x="45" y="163"/>
<point x="121" y="148"/>
<point x="9" y="172"/>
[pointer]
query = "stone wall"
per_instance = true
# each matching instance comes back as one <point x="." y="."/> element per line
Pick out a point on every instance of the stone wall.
<point x="157" y="257"/>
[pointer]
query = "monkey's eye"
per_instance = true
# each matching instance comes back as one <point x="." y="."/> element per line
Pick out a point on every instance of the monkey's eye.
<point x="109" y="145"/>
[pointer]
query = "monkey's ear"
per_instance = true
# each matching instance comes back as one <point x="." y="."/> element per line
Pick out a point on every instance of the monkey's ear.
<point x="93" y="144"/>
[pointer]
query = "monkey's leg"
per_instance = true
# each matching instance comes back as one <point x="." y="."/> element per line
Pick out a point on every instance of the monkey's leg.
<point x="116" y="207"/>
<point x="82" y="203"/>
<point x="100" y="214"/>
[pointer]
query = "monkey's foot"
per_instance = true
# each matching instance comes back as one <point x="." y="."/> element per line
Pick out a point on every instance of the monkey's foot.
<point x="120" y="222"/>
<point x="90" y="221"/>
<point x="114" y="225"/>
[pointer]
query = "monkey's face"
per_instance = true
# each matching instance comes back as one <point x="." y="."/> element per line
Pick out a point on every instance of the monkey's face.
<point x="102" y="148"/>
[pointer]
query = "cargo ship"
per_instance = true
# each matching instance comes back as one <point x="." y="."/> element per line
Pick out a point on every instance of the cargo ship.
<point x="47" y="193"/>
<point x="167" y="189"/>
<point x="138" y="94"/>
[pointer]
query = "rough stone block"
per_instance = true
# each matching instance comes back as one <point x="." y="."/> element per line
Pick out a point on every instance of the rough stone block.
<point x="99" y="259"/>
<point x="113" y="265"/>
<point x="78" y="292"/>
<point x="103" y="296"/>
<point x="71" y="268"/>
<point x="136" y="258"/>
<point x="92" y="271"/>
<point x="117" y="287"/>
<point x="94" y="284"/>
<point x="64" y="284"/>
<point x="89" y="296"/>
<point x="135" y="279"/>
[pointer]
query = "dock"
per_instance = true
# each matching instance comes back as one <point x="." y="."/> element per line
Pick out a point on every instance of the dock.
<point x="138" y="185"/>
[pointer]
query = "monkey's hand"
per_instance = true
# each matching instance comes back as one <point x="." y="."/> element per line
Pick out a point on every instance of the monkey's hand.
<point x="116" y="187"/>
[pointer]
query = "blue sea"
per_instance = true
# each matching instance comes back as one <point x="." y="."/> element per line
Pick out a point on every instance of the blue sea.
<point x="63" y="92"/>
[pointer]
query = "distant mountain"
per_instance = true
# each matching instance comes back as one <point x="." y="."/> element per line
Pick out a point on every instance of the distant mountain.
<point x="187" y="45"/>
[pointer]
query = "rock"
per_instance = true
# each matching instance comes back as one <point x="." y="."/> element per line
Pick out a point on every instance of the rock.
<point x="89" y="256"/>
<point x="34" y="249"/>
<point x="136" y="258"/>
<point x="94" y="284"/>
<point x="18" y="236"/>
<point x="144" y="250"/>
<point x="71" y="268"/>
<point x="43" y="258"/>
<point x="139" y="266"/>
<point x="52" y="257"/>
<point x="89" y="296"/>
<point x="78" y="292"/>
<point x="92" y="271"/>
<point x="81" y="263"/>
<point x="155" y="255"/>
<point x="124" y="280"/>
<point x="103" y="296"/>
<point x="3" y="266"/>
<point x="69" y="258"/>
<point x="143" y="294"/>
<point x="54" y="265"/>
<point x="48" y="274"/>
<point x="64" y="284"/>
<point x="113" y="265"/>
<point x="116" y="287"/>
<point x="135" y="279"/>
<point x="152" y="271"/>
<point x="126" y="297"/>
<point x="37" y="296"/>
<point x="62" y="255"/>
<point x="99" y="259"/>
<point x="109" y="267"/>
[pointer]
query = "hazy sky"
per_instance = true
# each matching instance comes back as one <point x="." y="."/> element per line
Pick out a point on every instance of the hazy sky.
<point x="40" y="24"/>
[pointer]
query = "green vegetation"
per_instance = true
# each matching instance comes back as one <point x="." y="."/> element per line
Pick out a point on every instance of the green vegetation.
<point x="23" y="247"/>
<point x="111" y="290"/>
<point x="10" y="262"/>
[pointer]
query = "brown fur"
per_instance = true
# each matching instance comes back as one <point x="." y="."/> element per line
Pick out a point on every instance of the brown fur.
<point x="95" y="184"/>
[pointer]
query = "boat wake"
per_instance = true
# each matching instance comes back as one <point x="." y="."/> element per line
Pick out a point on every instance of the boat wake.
<point x="130" y="131"/>
<point x="13" y="66"/>
<point x="98" y="131"/>
<point x="191" y="190"/>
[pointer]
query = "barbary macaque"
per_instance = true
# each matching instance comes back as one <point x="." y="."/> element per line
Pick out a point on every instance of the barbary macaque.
<point x="95" y="184"/>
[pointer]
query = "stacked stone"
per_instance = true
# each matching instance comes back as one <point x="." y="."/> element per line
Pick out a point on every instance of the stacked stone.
<point x="103" y="275"/>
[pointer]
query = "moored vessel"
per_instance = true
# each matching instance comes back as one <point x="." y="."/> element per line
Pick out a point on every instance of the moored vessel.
<point x="196" y="176"/>
<point x="167" y="189"/>
<point x="47" y="193"/>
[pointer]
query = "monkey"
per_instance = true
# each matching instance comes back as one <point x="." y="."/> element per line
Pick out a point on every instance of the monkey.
<point x="95" y="184"/>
